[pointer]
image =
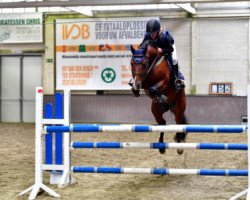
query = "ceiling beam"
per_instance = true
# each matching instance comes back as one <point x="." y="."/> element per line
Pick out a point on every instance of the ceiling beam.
<point x="187" y="7"/>
<point x="82" y="10"/>
<point x="72" y="3"/>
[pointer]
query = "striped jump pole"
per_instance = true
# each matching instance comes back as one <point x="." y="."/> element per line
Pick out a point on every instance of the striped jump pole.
<point x="148" y="128"/>
<point x="145" y="145"/>
<point x="159" y="171"/>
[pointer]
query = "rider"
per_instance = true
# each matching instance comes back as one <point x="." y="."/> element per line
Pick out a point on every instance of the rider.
<point x="165" y="44"/>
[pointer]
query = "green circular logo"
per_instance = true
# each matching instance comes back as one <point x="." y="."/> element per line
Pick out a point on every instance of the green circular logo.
<point x="108" y="75"/>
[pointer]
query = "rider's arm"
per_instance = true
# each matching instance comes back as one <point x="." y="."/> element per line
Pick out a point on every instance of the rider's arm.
<point x="167" y="42"/>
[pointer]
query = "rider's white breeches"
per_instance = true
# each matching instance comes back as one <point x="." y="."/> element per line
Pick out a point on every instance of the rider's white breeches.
<point x="174" y="56"/>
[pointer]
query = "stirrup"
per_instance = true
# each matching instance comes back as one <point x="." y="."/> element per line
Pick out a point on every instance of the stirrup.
<point x="179" y="84"/>
<point x="162" y="99"/>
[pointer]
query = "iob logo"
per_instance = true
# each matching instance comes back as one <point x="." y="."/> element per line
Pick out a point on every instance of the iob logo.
<point x="108" y="75"/>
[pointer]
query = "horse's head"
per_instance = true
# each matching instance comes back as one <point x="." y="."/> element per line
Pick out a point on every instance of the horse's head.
<point x="140" y="65"/>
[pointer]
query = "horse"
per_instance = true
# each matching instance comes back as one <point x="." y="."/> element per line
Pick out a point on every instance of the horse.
<point x="151" y="71"/>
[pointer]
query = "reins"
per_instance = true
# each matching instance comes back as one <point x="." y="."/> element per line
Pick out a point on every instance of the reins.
<point x="154" y="63"/>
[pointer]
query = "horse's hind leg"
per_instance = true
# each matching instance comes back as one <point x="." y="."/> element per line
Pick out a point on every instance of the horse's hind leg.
<point x="158" y="114"/>
<point x="180" y="136"/>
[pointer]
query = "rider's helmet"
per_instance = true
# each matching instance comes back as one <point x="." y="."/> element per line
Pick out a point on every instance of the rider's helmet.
<point x="153" y="26"/>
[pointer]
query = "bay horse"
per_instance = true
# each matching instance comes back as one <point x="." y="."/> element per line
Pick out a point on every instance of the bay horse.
<point x="152" y="72"/>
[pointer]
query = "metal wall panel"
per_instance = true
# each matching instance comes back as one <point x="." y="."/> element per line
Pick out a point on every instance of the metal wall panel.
<point x="222" y="53"/>
<point x="10" y="89"/>
<point x="127" y="109"/>
<point x="20" y="74"/>
<point x="32" y="66"/>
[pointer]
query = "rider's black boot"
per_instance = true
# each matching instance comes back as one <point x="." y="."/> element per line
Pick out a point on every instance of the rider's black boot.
<point x="178" y="83"/>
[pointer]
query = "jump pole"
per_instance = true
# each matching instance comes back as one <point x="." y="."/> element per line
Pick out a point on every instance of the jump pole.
<point x="148" y="128"/>
<point x="146" y="145"/>
<point x="159" y="171"/>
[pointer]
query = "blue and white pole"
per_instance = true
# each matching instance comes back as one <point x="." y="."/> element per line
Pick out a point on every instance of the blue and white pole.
<point x="145" y="145"/>
<point x="159" y="171"/>
<point x="149" y="128"/>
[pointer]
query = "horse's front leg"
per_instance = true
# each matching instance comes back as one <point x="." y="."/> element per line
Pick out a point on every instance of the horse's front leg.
<point x="161" y="138"/>
<point x="158" y="114"/>
<point x="180" y="137"/>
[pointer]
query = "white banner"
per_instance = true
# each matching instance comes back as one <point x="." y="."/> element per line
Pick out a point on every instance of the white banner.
<point x="94" y="54"/>
<point x="21" y="28"/>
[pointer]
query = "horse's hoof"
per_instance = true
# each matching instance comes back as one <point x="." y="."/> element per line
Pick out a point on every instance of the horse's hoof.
<point x="180" y="151"/>
<point x="162" y="151"/>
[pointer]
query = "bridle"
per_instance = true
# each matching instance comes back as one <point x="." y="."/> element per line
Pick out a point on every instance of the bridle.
<point x="139" y="58"/>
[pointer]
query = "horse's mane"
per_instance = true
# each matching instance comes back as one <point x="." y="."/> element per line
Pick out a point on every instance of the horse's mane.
<point x="144" y="45"/>
<point x="142" y="51"/>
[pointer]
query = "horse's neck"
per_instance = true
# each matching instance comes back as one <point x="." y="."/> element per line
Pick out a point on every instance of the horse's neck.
<point x="158" y="66"/>
<point x="159" y="73"/>
<point x="152" y="52"/>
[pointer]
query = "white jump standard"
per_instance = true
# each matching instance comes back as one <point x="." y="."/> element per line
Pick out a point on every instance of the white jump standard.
<point x="38" y="153"/>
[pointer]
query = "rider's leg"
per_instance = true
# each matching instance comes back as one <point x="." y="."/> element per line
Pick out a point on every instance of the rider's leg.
<point x="179" y="78"/>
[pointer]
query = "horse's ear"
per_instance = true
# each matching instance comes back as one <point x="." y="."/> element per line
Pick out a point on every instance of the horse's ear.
<point x="132" y="49"/>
